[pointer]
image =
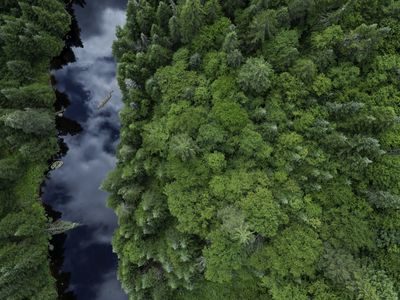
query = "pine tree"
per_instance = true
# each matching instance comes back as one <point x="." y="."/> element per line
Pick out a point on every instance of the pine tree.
<point x="191" y="18"/>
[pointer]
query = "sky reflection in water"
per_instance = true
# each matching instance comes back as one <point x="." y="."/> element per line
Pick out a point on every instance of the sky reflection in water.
<point x="74" y="188"/>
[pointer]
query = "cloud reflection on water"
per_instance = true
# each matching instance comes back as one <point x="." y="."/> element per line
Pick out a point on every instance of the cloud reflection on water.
<point x="90" y="157"/>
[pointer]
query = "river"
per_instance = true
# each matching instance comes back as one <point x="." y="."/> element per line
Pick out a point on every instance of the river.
<point x="73" y="190"/>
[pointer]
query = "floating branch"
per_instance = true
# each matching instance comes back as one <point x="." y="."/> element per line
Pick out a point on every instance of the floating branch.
<point x="59" y="226"/>
<point x="105" y="100"/>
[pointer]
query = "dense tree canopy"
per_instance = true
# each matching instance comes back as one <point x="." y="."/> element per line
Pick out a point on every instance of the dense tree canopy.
<point x="259" y="154"/>
<point x="31" y="34"/>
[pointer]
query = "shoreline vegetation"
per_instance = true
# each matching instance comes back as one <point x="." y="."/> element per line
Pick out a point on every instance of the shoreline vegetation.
<point x="32" y="35"/>
<point x="259" y="154"/>
<point x="259" y="150"/>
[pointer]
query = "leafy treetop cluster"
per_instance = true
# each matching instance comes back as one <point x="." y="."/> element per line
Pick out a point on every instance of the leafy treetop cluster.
<point x="31" y="34"/>
<point x="259" y="154"/>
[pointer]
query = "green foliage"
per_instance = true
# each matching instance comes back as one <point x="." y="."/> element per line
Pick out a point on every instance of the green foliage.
<point x="212" y="36"/>
<point x="30" y="121"/>
<point x="39" y="95"/>
<point x="9" y="168"/>
<point x="264" y="161"/>
<point x="31" y="34"/>
<point x="216" y="161"/>
<point x="191" y="19"/>
<point x="360" y="282"/>
<point x="255" y="76"/>
<point x="182" y="147"/>
<point x="220" y="268"/>
<point x="282" y="51"/>
<point x="230" y="115"/>
<point x="263" y="213"/>
<point x="302" y="250"/>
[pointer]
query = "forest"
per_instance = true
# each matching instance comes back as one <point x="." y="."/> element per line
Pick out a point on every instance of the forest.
<point x="259" y="154"/>
<point x="31" y="34"/>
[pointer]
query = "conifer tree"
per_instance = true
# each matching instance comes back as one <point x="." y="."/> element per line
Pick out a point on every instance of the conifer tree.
<point x="261" y="160"/>
<point x="31" y="34"/>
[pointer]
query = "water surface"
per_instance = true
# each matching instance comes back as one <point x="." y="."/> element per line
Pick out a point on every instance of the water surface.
<point x="73" y="189"/>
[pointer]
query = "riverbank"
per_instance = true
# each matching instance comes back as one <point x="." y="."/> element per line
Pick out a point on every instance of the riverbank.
<point x="27" y="121"/>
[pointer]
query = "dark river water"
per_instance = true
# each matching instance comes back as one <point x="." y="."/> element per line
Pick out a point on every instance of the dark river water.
<point x="85" y="254"/>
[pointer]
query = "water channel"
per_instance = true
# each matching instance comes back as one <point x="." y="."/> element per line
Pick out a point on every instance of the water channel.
<point x="86" y="261"/>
